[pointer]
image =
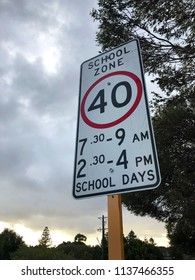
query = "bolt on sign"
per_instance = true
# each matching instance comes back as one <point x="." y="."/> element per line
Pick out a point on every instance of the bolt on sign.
<point x="115" y="146"/>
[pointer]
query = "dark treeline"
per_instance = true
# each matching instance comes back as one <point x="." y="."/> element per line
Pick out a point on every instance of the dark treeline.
<point x="12" y="247"/>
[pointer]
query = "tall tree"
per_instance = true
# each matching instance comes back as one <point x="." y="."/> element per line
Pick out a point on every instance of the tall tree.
<point x="136" y="249"/>
<point x="80" y="238"/>
<point x="10" y="241"/>
<point x="45" y="238"/>
<point x="166" y="33"/>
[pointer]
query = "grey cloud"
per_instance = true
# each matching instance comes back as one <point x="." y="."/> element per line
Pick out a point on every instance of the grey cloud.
<point x="46" y="94"/>
<point x="19" y="15"/>
<point x="38" y="113"/>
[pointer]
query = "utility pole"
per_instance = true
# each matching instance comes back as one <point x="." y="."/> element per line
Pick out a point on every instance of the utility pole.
<point x="102" y="229"/>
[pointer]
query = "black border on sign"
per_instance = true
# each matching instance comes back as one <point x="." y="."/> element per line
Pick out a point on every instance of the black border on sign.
<point x="124" y="190"/>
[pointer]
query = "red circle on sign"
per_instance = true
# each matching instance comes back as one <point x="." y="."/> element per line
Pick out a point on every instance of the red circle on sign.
<point x="127" y="114"/>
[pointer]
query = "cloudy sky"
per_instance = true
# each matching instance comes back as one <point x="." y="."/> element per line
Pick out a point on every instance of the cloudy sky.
<point x="42" y="44"/>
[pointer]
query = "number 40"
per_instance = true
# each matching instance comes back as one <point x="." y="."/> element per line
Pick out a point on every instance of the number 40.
<point x="100" y="103"/>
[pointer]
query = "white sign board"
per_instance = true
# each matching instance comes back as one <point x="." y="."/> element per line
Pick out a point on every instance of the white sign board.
<point x="115" y="148"/>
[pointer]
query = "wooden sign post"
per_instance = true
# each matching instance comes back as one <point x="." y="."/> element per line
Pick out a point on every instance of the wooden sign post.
<point x="115" y="228"/>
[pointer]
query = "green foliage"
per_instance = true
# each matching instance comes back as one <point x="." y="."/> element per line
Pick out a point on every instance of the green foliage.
<point x="39" y="253"/>
<point x="131" y="235"/>
<point x="166" y="34"/>
<point x="173" y="201"/>
<point x="136" y="249"/>
<point x="10" y="241"/>
<point x="80" y="238"/>
<point x="64" y="251"/>
<point x="80" y="251"/>
<point x="45" y="238"/>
